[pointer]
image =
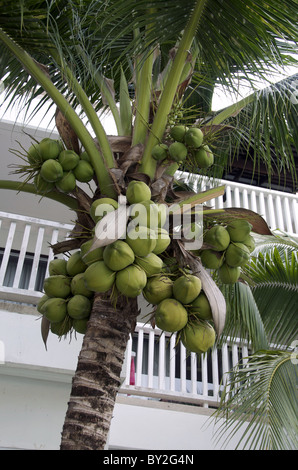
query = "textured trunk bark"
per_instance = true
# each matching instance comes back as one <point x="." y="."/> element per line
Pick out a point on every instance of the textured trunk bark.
<point x="97" y="378"/>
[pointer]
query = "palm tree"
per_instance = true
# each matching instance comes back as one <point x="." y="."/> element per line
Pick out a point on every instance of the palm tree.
<point x="161" y="61"/>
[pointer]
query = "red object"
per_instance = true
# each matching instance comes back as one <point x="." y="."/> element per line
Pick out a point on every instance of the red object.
<point x="132" y="372"/>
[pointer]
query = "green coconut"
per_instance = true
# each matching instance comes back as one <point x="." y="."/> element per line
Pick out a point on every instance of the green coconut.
<point x="152" y="264"/>
<point x="57" y="266"/>
<point x="80" y="326"/>
<point x="228" y="274"/>
<point x="118" y="255"/>
<point x="42" y="186"/>
<point x="142" y="240"/>
<point x="67" y="183"/>
<point x="186" y="288"/>
<point x="137" y="191"/>
<point x="131" y="281"/>
<point x="160" y="152"/>
<point x="68" y="159"/>
<point x="101" y="207"/>
<point x="249" y="241"/>
<point x="200" y="307"/>
<point x="61" y="328"/>
<point x="170" y="315"/>
<point x="41" y="303"/>
<point x="146" y="213"/>
<point x="90" y="257"/>
<point x="204" y="157"/>
<point x="83" y="171"/>
<point x="162" y="241"/>
<point x="178" y="132"/>
<point x="217" y="237"/>
<point x="237" y="254"/>
<point x="239" y="229"/>
<point x="78" y="286"/>
<point x="178" y="152"/>
<point x="98" y="277"/>
<point x="33" y="154"/>
<point x="198" y="337"/>
<point x="49" y="148"/>
<point x="55" y="309"/>
<point x="75" y="264"/>
<point x="84" y="156"/>
<point x="79" y="307"/>
<point x="212" y="259"/>
<point x="51" y="171"/>
<point x="57" y="286"/>
<point x="194" y="137"/>
<point x="157" y="289"/>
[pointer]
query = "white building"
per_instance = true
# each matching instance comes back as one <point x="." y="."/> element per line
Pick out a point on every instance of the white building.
<point x="167" y="403"/>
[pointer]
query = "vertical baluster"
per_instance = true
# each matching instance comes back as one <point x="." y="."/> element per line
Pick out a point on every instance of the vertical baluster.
<point x="150" y="359"/>
<point x="294" y="206"/>
<point x="37" y="252"/>
<point x="228" y="202"/>
<point x="182" y="369"/>
<point x="253" y="202"/>
<point x="140" y="349"/>
<point x="7" y="251"/>
<point x="237" y="202"/>
<point x="172" y="363"/>
<point x="235" y="357"/>
<point x="54" y="239"/>
<point x="193" y="368"/>
<point x="128" y="361"/>
<point x="21" y="257"/>
<point x="288" y="216"/>
<point x="161" y="362"/>
<point x="245" y="199"/>
<point x="279" y="214"/>
<point x="204" y="377"/>
<point x="215" y="377"/>
<point x="271" y="212"/>
<point x="225" y="362"/>
<point x="263" y="207"/>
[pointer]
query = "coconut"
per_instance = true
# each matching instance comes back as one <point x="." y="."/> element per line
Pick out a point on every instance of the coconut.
<point x="178" y="133"/>
<point x="212" y="259"/>
<point x="79" y="307"/>
<point x="68" y="159"/>
<point x="67" y="183"/>
<point x="151" y="264"/>
<point x="237" y="254"/>
<point x="78" y="286"/>
<point x="160" y="152"/>
<point x="57" y="266"/>
<point x="157" y="289"/>
<point x="84" y="156"/>
<point x="186" y="288"/>
<point x="249" y="241"/>
<point x="198" y="337"/>
<point x="54" y="309"/>
<point x="142" y="240"/>
<point x="33" y="154"/>
<point x="131" y="281"/>
<point x="200" y="307"/>
<point x="98" y="277"/>
<point x="51" y="171"/>
<point x="228" y="274"/>
<point x="137" y="191"/>
<point x="75" y="264"/>
<point x="42" y="186"/>
<point x="41" y="302"/>
<point x="83" y="171"/>
<point x="162" y="241"/>
<point x="62" y="327"/>
<point x="204" y="157"/>
<point x="145" y="213"/>
<point x="170" y="315"/>
<point x="194" y="137"/>
<point x="57" y="286"/>
<point x="217" y="237"/>
<point x="101" y="207"/>
<point x="80" y="326"/>
<point x="49" y="148"/>
<point x="118" y="255"/>
<point x="178" y="151"/>
<point x="91" y="256"/>
<point x="239" y="229"/>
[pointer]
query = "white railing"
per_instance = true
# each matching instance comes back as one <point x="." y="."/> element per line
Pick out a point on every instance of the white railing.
<point x="279" y="209"/>
<point x="157" y="369"/>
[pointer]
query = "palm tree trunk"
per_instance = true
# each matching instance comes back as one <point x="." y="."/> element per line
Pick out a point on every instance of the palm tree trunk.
<point x="97" y="378"/>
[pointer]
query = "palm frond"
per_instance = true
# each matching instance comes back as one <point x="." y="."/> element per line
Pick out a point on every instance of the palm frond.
<point x="260" y="401"/>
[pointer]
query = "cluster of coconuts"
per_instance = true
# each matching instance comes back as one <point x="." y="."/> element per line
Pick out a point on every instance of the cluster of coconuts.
<point x="66" y="302"/>
<point x="229" y="249"/>
<point x="58" y="167"/>
<point x="187" y="141"/>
